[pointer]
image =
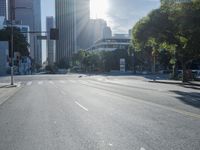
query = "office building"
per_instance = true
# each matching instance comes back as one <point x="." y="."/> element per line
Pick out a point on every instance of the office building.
<point x="3" y="57"/>
<point x="107" y="32"/>
<point x="163" y="2"/>
<point x="3" y="8"/>
<point x="50" y="45"/>
<point x="28" y="12"/>
<point x="118" y="41"/>
<point x="82" y="22"/>
<point x="2" y="22"/>
<point x="66" y="23"/>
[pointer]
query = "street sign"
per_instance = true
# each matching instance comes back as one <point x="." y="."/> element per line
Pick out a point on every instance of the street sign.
<point x="40" y="37"/>
<point x="54" y="34"/>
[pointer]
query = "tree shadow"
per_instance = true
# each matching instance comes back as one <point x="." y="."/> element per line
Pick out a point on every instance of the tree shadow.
<point x="192" y="99"/>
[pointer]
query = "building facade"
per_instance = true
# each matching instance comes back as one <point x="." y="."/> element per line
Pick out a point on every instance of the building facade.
<point x="3" y="8"/>
<point x="163" y="2"/>
<point x="3" y="57"/>
<point x="50" y="44"/>
<point x="82" y="22"/>
<point x="28" y="12"/>
<point x="65" y="12"/>
<point x="118" y="41"/>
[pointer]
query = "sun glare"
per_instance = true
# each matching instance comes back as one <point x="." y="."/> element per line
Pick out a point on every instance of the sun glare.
<point x="98" y="9"/>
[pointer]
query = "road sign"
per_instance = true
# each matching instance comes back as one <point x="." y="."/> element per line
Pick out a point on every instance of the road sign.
<point x="54" y="34"/>
<point x="40" y="37"/>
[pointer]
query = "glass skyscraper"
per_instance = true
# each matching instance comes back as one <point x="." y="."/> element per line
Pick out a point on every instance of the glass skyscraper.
<point x="29" y="13"/>
<point x="72" y="16"/>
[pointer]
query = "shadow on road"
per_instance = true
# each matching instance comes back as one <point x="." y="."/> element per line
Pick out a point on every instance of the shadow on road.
<point x="185" y="85"/>
<point x="192" y="99"/>
<point x="8" y="86"/>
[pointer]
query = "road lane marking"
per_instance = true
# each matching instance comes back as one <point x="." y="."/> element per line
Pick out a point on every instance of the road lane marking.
<point x="61" y="81"/>
<point x="81" y="106"/>
<point x="19" y="84"/>
<point x="110" y="144"/>
<point x="83" y="82"/>
<point x="142" y="148"/>
<point x="29" y="83"/>
<point x="72" y="81"/>
<point x="40" y="82"/>
<point x="63" y="93"/>
<point x="51" y="82"/>
<point x="183" y="112"/>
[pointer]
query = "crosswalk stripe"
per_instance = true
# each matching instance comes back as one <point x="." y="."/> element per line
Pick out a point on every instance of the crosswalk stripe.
<point x="61" y="81"/>
<point x="40" y="82"/>
<point x="51" y="82"/>
<point x="19" y="84"/>
<point x="29" y="83"/>
<point x="72" y="81"/>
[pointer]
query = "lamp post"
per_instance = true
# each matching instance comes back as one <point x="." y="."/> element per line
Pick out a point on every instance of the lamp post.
<point x="12" y="44"/>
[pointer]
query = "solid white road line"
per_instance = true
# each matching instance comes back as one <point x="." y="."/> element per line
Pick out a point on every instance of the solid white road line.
<point x="29" y="83"/>
<point x="81" y="106"/>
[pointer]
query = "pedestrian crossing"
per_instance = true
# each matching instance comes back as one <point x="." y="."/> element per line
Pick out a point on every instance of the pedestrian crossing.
<point x="59" y="82"/>
<point x="51" y="82"/>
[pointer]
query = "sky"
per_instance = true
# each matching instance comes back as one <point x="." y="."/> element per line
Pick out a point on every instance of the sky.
<point x="121" y="15"/>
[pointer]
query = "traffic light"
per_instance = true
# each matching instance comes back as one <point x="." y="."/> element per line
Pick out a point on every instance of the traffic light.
<point x="54" y="34"/>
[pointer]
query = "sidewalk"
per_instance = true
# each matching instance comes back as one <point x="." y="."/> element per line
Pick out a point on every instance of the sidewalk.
<point x="6" y="91"/>
<point x="190" y="84"/>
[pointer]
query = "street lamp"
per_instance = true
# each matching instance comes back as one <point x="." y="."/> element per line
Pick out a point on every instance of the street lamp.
<point x="12" y="44"/>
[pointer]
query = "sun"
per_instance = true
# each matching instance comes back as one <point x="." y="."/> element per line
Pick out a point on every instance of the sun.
<point x="98" y="9"/>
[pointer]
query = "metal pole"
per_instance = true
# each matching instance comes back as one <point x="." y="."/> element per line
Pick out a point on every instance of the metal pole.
<point x="12" y="46"/>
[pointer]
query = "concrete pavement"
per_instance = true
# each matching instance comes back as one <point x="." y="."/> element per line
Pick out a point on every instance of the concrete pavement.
<point x="73" y="112"/>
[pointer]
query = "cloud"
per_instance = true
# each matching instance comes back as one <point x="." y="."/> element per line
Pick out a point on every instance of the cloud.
<point x="123" y="14"/>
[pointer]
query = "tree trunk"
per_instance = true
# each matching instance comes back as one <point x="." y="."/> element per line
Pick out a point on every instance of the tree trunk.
<point x="184" y="76"/>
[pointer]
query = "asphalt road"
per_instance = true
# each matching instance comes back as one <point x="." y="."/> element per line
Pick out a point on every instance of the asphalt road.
<point x="79" y="112"/>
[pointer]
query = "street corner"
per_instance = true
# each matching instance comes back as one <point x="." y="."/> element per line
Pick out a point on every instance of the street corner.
<point x="7" y="90"/>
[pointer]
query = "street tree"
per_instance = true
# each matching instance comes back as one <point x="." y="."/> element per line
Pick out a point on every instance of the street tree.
<point x="175" y="28"/>
<point x="20" y="42"/>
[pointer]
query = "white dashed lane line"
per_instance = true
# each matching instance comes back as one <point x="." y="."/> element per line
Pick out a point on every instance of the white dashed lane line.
<point x="81" y="106"/>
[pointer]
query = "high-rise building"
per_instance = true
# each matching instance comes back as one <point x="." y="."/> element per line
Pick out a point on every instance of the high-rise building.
<point x="82" y="22"/>
<point x="3" y="8"/>
<point x="28" y="12"/>
<point x="66" y="23"/>
<point x="97" y="27"/>
<point x="107" y="32"/>
<point x="3" y="57"/>
<point x="50" y="43"/>
<point x="163" y="2"/>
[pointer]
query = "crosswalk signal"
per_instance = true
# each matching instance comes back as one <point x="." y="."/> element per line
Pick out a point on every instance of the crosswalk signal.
<point x="54" y="34"/>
